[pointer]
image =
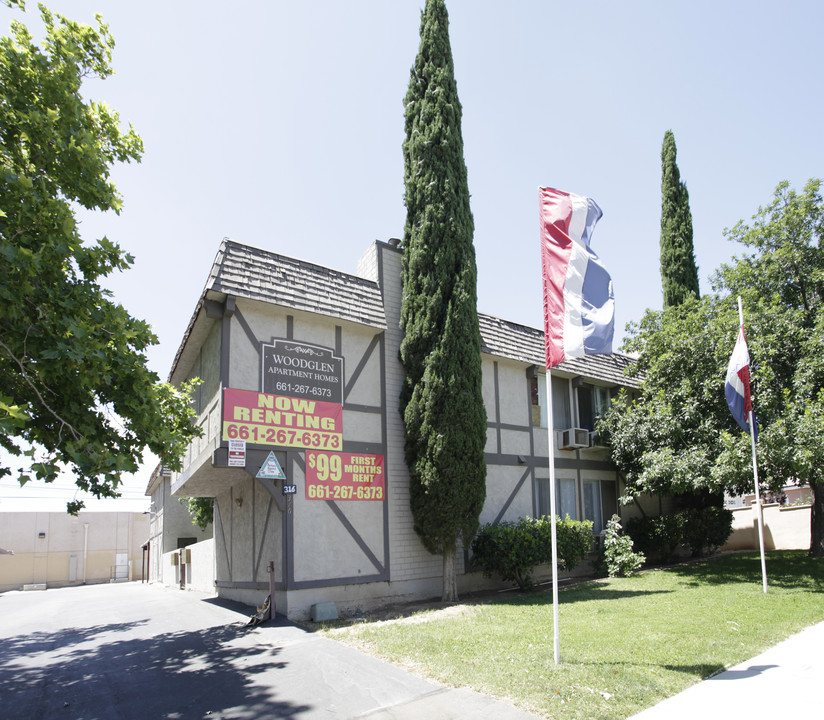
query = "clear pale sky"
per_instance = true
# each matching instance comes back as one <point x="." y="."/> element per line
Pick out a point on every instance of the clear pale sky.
<point x="279" y="124"/>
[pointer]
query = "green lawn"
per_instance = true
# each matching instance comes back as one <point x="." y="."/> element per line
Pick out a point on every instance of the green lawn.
<point x="626" y="643"/>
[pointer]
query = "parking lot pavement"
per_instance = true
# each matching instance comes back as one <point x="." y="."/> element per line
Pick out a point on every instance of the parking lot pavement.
<point x="132" y="650"/>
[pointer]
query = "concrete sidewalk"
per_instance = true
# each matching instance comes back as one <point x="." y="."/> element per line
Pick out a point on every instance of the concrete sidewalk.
<point x="781" y="682"/>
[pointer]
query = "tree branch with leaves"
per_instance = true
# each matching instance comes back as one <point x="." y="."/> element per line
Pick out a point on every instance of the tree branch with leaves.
<point x="75" y="389"/>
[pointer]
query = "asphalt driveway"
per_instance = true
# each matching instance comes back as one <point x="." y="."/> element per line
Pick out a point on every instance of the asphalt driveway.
<point x="131" y="650"/>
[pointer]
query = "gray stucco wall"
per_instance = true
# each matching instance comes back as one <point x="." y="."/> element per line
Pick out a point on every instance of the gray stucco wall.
<point x="355" y="553"/>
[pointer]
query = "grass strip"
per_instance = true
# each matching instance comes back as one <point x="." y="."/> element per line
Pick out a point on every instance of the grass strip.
<point x="626" y="643"/>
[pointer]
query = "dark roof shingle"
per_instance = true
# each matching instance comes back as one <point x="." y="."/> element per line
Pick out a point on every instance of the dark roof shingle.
<point x="244" y="271"/>
<point x="526" y="344"/>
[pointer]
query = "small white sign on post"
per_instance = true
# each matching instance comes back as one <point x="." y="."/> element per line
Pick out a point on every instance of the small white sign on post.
<point x="237" y="453"/>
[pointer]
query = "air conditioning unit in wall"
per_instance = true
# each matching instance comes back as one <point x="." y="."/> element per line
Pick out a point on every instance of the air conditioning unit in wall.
<point x="573" y="438"/>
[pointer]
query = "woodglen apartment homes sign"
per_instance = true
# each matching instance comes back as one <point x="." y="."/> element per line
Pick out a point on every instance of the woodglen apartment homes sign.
<point x="302" y="371"/>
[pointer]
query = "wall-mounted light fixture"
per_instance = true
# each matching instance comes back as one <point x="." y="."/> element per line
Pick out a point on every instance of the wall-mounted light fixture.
<point x="238" y="501"/>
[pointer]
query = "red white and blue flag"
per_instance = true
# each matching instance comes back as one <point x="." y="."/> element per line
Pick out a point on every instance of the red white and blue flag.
<point x="737" y="388"/>
<point x="579" y="305"/>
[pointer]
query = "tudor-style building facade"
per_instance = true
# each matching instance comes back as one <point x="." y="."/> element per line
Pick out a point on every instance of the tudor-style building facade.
<point x="300" y="364"/>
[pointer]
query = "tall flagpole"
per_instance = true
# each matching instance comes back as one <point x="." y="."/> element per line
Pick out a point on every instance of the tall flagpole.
<point x="566" y="224"/>
<point x="552" y="512"/>
<point x="759" y="511"/>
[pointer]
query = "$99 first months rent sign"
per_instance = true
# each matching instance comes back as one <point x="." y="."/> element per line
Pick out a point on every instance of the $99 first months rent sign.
<point x="344" y="476"/>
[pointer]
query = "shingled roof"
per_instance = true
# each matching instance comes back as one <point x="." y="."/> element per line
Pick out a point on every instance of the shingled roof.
<point x="519" y="342"/>
<point x="249" y="272"/>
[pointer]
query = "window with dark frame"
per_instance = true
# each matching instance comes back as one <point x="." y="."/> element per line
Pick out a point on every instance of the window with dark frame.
<point x="593" y="401"/>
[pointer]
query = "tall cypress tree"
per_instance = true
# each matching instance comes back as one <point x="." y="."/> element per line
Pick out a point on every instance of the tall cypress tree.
<point x="441" y="400"/>
<point x="679" y="274"/>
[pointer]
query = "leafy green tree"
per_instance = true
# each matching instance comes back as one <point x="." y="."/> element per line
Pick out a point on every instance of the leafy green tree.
<point x="678" y="436"/>
<point x="202" y="510"/>
<point x="667" y="440"/>
<point x="782" y="285"/>
<point x="679" y="274"/>
<point x="441" y="399"/>
<point x="75" y="391"/>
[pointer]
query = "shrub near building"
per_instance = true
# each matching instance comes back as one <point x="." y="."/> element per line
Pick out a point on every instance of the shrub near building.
<point x="513" y="549"/>
<point x="619" y="559"/>
<point x="703" y="530"/>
